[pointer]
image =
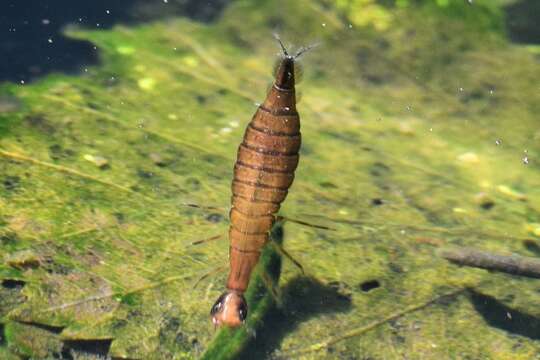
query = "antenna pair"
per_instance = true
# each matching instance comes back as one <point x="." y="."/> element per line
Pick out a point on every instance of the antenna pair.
<point x="300" y="51"/>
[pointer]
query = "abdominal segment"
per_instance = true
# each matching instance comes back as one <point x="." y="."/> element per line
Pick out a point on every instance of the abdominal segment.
<point x="263" y="173"/>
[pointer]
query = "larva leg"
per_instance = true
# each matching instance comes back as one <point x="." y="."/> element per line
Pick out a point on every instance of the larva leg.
<point x="286" y="254"/>
<point x="300" y="222"/>
<point x="272" y="287"/>
<point x="202" y="241"/>
<point x="211" y="272"/>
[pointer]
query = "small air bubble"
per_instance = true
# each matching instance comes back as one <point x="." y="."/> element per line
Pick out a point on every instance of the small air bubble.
<point x="431" y="129"/>
<point x="323" y="24"/>
<point x="287" y="108"/>
<point x="50" y="40"/>
<point x="22" y="82"/>
<point x="460" y="89"/>
<point x="108" y="11"/>
<point x="166" y="1"/>
<point x="409" y="108"/>
<point x="498" y="142"/>
<point x="45" y="21"/>
<point x="525" y="160"/>
<point x="350" y="26"/>
<point x="491" y="91"/>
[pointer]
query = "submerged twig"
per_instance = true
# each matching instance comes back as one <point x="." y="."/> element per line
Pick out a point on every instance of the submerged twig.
<point x="24" y="158"/>
<point x="514" y="264"/>
<point x="115" y="294"/>
<point x="363" y="329"/>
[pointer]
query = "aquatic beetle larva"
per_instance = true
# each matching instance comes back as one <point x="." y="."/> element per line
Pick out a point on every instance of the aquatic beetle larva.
<point x="263" y="174"/>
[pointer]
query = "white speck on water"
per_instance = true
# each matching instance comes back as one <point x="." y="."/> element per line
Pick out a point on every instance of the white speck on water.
<point x="22" y="82"/>
<point x="409" y="108"/>
<point x="85" y="69"/>
<point x="97" y="25"/>
<point x="234" y="124"/>
<point x="287" y="108"/>
<point x="402" y="232"/>
<point x="50" y="40"/>
<point x="257" y="104"/>
<point x="460" y="89"/>
<point x="431" y="129"/>
<point x="108" y="11"/>
<point x="525" y="160"/>
<point x="508" y="315"/>
<point x="350" y="26"/>
<point x="45" y="21"/>
<point x="498" y="142"/>
<point x="225" y="130"/>
<point x="491" y="91"/>
<point x="166" y="1"/>
<point x="323" y="24"/>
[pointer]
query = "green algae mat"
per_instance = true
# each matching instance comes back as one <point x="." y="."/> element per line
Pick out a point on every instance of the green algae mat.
<point x="420" y="131"/>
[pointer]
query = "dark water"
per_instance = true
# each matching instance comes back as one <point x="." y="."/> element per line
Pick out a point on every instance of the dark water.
<point x="32" y="43"/>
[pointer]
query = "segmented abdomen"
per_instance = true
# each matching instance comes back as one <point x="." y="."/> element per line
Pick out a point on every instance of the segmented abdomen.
<point x="263" y="173"/>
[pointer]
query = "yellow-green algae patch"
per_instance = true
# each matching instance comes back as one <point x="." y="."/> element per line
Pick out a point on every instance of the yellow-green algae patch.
<point x="388" y="113"/>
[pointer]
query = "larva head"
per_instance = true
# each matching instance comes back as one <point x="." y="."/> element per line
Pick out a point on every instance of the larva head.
<point x="285" y="70"/>
<point x="230" y="309"/>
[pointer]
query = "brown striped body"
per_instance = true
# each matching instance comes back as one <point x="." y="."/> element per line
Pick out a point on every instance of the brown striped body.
<point x="263" y="173"/>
